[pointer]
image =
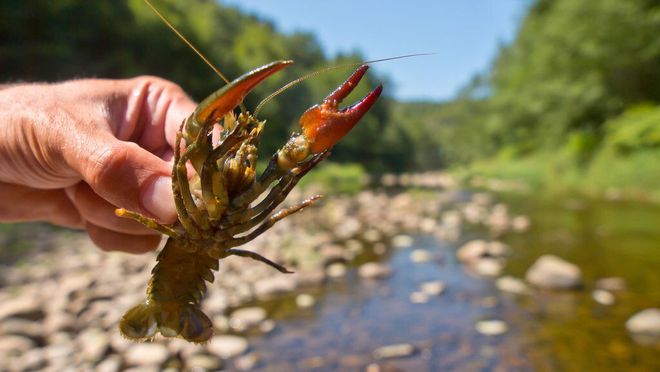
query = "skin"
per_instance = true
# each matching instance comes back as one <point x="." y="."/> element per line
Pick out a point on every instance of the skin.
<point x="72" y="152"/>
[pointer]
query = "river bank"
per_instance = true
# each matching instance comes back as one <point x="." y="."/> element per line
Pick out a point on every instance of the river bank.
<point x="409" y="279"/>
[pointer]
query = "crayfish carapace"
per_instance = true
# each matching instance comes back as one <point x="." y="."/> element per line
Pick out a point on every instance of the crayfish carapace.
<point x="218" y="207"/>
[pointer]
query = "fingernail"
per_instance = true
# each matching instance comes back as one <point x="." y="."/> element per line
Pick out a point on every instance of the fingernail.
<point x="158" y="199"/>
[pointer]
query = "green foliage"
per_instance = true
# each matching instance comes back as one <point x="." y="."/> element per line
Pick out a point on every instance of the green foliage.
<point x="336" y="178"/>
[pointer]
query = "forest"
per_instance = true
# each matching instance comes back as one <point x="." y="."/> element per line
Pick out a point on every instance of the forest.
<point x="571" y="103"/>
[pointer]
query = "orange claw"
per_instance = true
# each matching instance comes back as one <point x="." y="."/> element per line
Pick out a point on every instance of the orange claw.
<point x="323" y="125"/>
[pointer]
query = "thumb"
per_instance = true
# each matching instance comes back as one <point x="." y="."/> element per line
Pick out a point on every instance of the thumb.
<point x="128" y="176"/>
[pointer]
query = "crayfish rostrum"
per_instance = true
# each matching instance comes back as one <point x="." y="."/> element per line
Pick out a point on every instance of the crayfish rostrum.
<point x="220" y="207"/>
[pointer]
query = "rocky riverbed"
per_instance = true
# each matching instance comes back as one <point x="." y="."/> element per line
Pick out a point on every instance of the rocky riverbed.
<point x="411" y="280"/>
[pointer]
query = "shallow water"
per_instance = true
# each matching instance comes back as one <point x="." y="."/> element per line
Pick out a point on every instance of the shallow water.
<point x="547" y="331"/>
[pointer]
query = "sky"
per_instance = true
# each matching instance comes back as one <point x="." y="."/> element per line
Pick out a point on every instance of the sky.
<point x="465" y="34"/>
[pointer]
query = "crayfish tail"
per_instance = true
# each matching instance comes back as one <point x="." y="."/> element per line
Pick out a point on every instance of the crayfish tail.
<point x="143" y="321"/>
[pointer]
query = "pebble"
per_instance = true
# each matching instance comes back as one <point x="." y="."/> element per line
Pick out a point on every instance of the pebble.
<point x="22" y="327"/>
<point x="603" y="297"/>
<point x="512" y="285"/>
<point x="203" y="362"/>
<point x="374" y="270"/>
<point x="109" y="364"/>
<point x="394" y="351"/>
<point x="520" y="224"/>
<point x="645" y="322"/>
<point x="14" y="344"/>
<point x="21" y="307"/>
<point x="246" y="362"/>
<point x="475" y="250"/>
<point x="433" y="288"/>
<point x="228" y="346"/>
<point x="419" y="297"/>
<point x="336" y="270"/>
<point x="270" y="287"/>
<point x="146" y="354"/>
<point x="491" y="327"/>
<point x="94" y="343"/>
<point x="420" y="256"/>
<point x="402" y="241"/>
<point x="247" y="317"/>
<point x="305" y="301"/>
<point x="612" y="284"/>
<point x="309" y="278"/>
<point x="267" y="326"/>
<point x="552" y="272"/>
<point x="488" y="267"/>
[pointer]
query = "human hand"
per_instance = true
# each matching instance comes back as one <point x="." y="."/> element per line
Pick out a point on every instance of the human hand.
<point x="72" y="152"/>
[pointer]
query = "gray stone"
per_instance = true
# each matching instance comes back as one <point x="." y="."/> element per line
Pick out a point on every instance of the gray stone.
<point x="433" y="288"/>
<point x="603" y="297"/>
<point x="420" y="256"/>
<point x="491" y="327"/>
<point x="109" y="364"/>
<point x="394" y="351"/>
<point x="488" y="266"/>
<point x="13" y="344"/>
<point x="21" y="327"/>
<point x="374" y="270"/>
<point x="552" y="272"/>
<point x="228" y="346"/>
<point x="512" y="285"/>
<point x="645" y="322"/>
<point x="305" y="301"/>
<point x="402" y="241"/>
<point x="146" y="354"/>
<point x="204" y="362"/>
<point x="94" y="344"/>
<point x="612" y="284"/>
<point x="247" y="317"/>
<point x="27" y="307"/>
<point x="246" y="362"/>
<point x="336" y="270"/>
<point x="419" y="297"/>
<point x="274" y="286"/>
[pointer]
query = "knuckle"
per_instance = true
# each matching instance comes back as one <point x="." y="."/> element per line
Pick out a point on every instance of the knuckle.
<point x="105" y="162"/>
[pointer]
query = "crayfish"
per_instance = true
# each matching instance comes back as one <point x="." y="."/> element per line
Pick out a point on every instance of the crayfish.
<point x="222" y="205"/>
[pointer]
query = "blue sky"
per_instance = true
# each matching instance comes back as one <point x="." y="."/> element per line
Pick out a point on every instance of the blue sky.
<point x="465" y="34"/>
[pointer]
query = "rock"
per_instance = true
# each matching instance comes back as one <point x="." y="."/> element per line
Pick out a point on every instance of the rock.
<point x="512" y="285"/>
<point x="204" y="362"/>
<point x="645" y="322"/>
<point x="228" y="346"/>
<point x="552" y="272"/>
<point x="246" y="362"/>
<point x="31" y="360"/>
<point x="603" y="297"/>
<point x="109" y="364"/>
<point x="305" y="301"/>
<point x="309" y="278"/>
<point x="520" y="223"/>
<point x="267" y="326"/>
<point x="433" y="288"/>
<point x="22" y="327"/>
<point x="419" y="297"/>
<point x="22" y="307"/>
<point x="488" y="266"/>
<point x="475" y="250"/>
<point x="402" y="241"/>
<point x="247" y="317"/>
<point x="420" y="256"/>
<point x="215" y="303"/>
<point x="268" y="288"/>
<point x="332" y="253"/>
<point x="146" y="354"/>
<point x="336" y="270"/>
<point x="310" y="363"/>
<point x="612" y="284"/>
<point x="60" y="321"/>
<point x="491" y="327"/>
<point x="13" y="344"/>
<point x="93" y="343"/>
<point x="394" y="351"/>
<point x="374" y="270"/>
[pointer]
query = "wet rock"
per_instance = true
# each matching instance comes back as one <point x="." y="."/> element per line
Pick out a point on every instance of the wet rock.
<point x="552" y="272"/>
<point x="612" y="284"/>
<point x="512" y="285"/>
<point x="603" y="297"/>
<point x="228" y="346"/>
<point x="13" y="344"/>
<point x="420" y="256"/>
<point x="309" y="278"/>
<point x="267" y="326"/>
<point x="488" y="266"/>
<point x="247" y="317"/>
<point x="336" y="270"/>
<point x="491" y="327"/>
<point x="246" y="362"/>
<point x="93" y="343"/>
<point x="374" y="270"/>
<point x="645" y="326"/>
<point x="204" y="362"/>
<point x="402" y="241"/>
<point x="433" y="288"/>
<point x="146" y="354"/>
<point x="520" y="223"/>
<point x="474" y="250"/>
<point x="312" y="363"/>
<point x="419" y="297"/>
<point x="331" y="253"/>
<point x="271" y="287"/>
<point x="394" y="351"/>
<point x="305" y="301"/>
<point x="215" y="303"/>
